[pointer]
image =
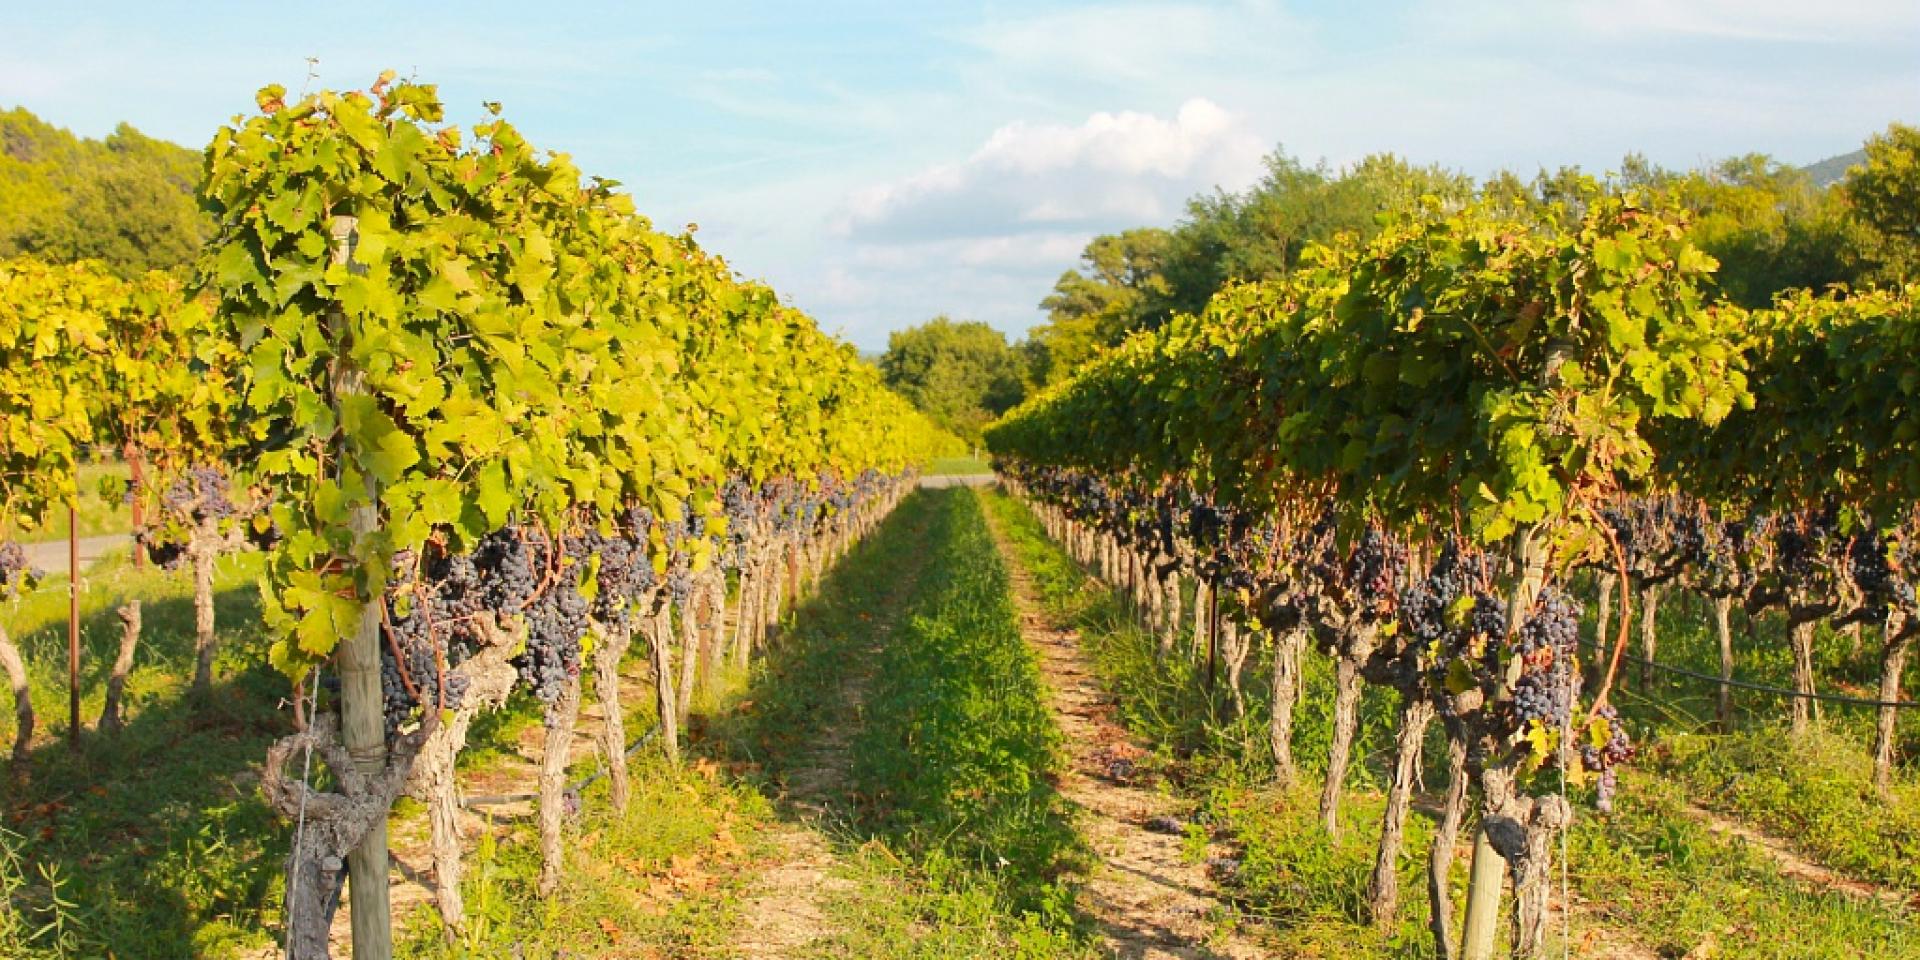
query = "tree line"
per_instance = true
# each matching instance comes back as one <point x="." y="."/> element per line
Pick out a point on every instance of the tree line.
<point x="1771" y="226"/>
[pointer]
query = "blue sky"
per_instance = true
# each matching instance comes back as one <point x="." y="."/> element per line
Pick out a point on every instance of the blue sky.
<point x="879" y="163"/>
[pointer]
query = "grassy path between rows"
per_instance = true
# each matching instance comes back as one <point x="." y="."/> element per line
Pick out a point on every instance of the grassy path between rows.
<point x="899" y="731"/>
<point x="1147" y="897"/>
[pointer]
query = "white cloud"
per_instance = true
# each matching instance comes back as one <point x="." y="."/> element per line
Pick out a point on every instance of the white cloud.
<point x="1111" y="170"/>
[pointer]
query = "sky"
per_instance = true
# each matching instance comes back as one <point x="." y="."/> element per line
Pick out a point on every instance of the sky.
<point x="882" y="163"/>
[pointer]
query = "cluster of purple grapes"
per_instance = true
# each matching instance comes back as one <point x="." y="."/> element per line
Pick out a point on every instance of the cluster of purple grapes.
<point x="1489" y="615"/>
<point x="167" y="552"/>
<point x="745" y="507"/>
<point x="14" y="572"/>
<point x="1803" y="543"/>
<point x="520" y="572"/>
<point x="1374" y="571"/>
<point x="1545" y="696"/>
<point x="512" y="572"/>
<point x="1553" y="626"/>
<point x="1663" y="535"/>
<point x="202" y="493"/>
<point x="625" y="573"/>
<point x="432" y="615"/>
<point x="1547" y="644"/>
<point x="1871" y="564"/>
<point x="523" y="573"/>
<point x="1605" y="758"/>
<point x="795" y="509"/>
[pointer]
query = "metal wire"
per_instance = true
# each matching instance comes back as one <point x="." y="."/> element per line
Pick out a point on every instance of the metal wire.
<point x="1761" y="687"/>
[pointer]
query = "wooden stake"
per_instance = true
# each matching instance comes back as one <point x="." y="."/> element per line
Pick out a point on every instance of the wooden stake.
<point x="73" y="624"/>
<point x="362" y="714"/>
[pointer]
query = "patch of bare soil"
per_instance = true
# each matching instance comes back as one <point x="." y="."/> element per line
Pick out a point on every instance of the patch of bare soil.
<point x="784" y="909"/>
<point x="1147" y="900"/>
<point x="1792" y="864"/>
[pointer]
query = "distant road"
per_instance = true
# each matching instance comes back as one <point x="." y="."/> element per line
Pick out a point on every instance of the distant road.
<point x="51" y="556"/>
<point x="942" y="480"/>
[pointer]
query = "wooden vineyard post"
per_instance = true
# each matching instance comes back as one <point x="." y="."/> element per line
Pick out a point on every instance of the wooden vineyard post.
<point x="362" y="713"/>
<point x="73" y="623"/>
<point x="136" y="477"/>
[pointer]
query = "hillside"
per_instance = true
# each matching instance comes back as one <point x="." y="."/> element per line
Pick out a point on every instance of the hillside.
<point x="1832" y="170"/>
<point x="128" y="199"/>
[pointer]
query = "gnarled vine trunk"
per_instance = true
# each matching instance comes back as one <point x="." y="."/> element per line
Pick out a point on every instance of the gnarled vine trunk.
<point x="1440" y="856"/>
<point x="562" y="714"/>
<point x="1723" y="632"/>
<point x="1169" y="632"/>
<point x="490" y="677"/>
<point x="1287" y="647"/>
<point x="1235" y="645"/>
<point x="742" y="636"/>
<point x="1800" y="637"/>
<point x="16" y="670"/>
<point x="330" y="824"/>
<point x="129" y="614"/>
<point x="1521" y="829"/>
<point x="205" y="547"/>
<point x="1202" y="616"/>
<point x="713" y="637"/>
<point x="1893" y="663"/>
<point x="689" y="608"/>
<point x="659" y="636"/>
<point x="614" y="641"/>
<point x="1346" y="720"/>
<point x="1383" y="892"/>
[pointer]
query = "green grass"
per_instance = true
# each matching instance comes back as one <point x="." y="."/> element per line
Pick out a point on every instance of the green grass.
<point x="97" y="514"/>
<point x="671" y="877"/>
<point x="959" y="744"/>
<point x="899" y="912"/>
<point x="1309" y="894"/>
<point x="665" y="878"/>
<point x="156" y="838"/>
<point x="1815" y="792"/>
<point x="163" y="666"/>
<point x="919" y="616"/>
<point x="949" y="466"/>
<point x="1683" y="891"/>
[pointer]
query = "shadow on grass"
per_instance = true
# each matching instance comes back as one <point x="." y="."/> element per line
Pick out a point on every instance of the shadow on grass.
<point x="157" y="835"/>
<point x="796" y="693"/>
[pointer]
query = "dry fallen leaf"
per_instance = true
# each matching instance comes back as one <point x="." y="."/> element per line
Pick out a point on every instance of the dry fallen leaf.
<point x="611" y="929"/>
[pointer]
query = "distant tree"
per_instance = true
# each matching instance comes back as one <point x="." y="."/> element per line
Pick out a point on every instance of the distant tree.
<point x="961" y="373"/>
<point x="1885" y="194"/>
<point x="1138" y="279"/>
<point x="1119" y="288"/>
<point x="1770" y="226"/>
<point x="128" y="200"/>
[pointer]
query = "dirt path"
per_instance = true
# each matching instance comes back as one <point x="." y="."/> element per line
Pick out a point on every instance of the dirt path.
<point x="786" y="907"/>
<point x="1793" y="865"/>
<point x="1148" y="902"/>
<point x="51" y="556"/>
<point x="784" y="910"/>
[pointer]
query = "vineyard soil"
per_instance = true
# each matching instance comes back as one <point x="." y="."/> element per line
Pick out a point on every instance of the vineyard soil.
<point x="1148" y="897"/>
